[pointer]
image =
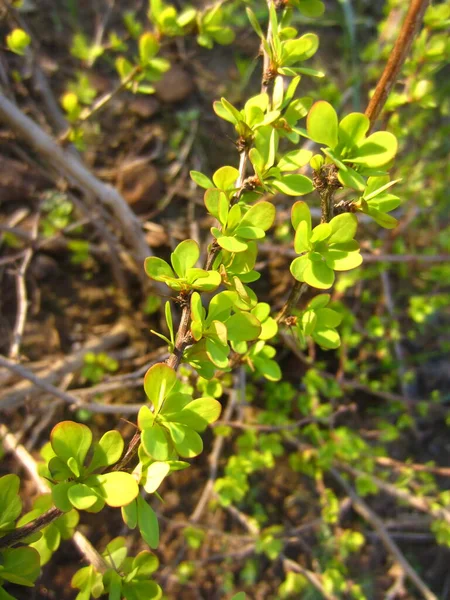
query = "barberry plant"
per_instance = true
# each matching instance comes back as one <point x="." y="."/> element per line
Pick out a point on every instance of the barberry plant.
<point x="223" y="324"/>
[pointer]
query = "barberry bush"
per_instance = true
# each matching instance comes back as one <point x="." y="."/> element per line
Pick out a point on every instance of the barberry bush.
<point x="289" y="141"/>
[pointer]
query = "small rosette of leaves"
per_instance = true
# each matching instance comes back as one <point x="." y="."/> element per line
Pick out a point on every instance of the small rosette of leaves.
<point x="149" y="67"/>
<point x="260" y="358"/>
<point x="284" y="49"/>
<point x="271" y="177"/>
<point x="377" y="201"/>
<point x="78" y="485"/>
<point x="319" y="322"/>
<point x="260" y="117"/>
<point x="355" y="154"/>
<point x="20" y="566"/>
<point x="212" y="28"/>
<point x="168" y="21"/>
<point x="183" y="276"/>
<point x="327" y="248"/>
<point x="255" y="114"/>
<point x="173" y="428"/>
<point x="126" y="576"/>
<point x="240" y="223"/>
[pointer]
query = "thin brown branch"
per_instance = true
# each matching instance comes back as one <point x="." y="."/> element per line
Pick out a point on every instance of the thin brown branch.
<point x="19" y="534"/>
<point x="72" y="168"/>
<point x="75" y="402"/>
<point x="17" y="395"/>
<point x="402" y="466"/>
<point x="99" y="104"/>
<point x="21" y="295"/>
<point x="373" y="519"/>
<point x="397" y="58"/>
<point x="313" y="578"/>
<point x="214" y="458"/>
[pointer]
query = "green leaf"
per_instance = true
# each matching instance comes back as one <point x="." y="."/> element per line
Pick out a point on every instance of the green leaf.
<point x="18" y="41"/>
<point x="319" y="301"/>
<point x="351" y="178"/>
<point x="157" y="268"/>
<point x="10" y="502"/>
<point x="231" y="244"/>
<point x="320" y="232"/>
<point x="155" y="443"/>
<point x="261" y="214"/>
<point x="184" y="257"/>
<point x="225" y="178"/>
<point x="318" y="274"/>
<point x="148" y="47"/>
<point x="199" y="413"/>
<point x="82" y="496"/>
<point x="187" y="442"/>
<point x="204" y="281"/>
<point x="20" y="566"/>
<point x="158" y="383"/>
<point x="243" y="327"/>
<point x="328" y="317"/>
<point x="341" y="259"/>
<point x="130" y="514"/>
<point x="217" y="353"/>
<point x="327" y="338"/>
<point x="376" y="151"/>
<point x="69" y="439"/>
<point x="142" y="590"/>
<point x="343" y="228"/>
<point x="224" y="113"/>
<point x="322" y="124"/>
<point x="298" y="266"/>
<point x="176" y="402"/>
<point x="352" y="130"/>
<point x="156" y="473"/>
<point x="147" y="523"/>
<point x="117" y="488"/>
<point x="294" y="160"/>
<point x="300" y="212"/>
<point x="201" y="180"/>
<point x="146" y="563"/>
<point x="302" y="240"/>
<point x="107" y="450"/>
<point x="381" y="218"/>
<point x="254" y="23"/>
<point x="60" y="495"/>
<point x="298" y="50"/>
<point x="312" y="8"/>
<point x="293" y="185"/>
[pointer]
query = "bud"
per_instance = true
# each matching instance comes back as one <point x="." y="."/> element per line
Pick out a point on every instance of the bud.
<point x="316" y="162"/>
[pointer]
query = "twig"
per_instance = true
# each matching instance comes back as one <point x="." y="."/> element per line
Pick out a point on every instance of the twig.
<point x="213" y="463"/>
<point x="90" y="111"/>
<point x="21" y="295"/>
<point x="71" y="167"/>
<point x="267" y="76"/>
<point x="420" y="503"/>
<point x="312" y="577"/>
<point x="17" y="396"/>
<point x="397" y="58"/>
<point x="363" y="509"/>
<point x="408" y="388"/>
<point x="126" y="409"/>
<point x="396" y="464"/>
